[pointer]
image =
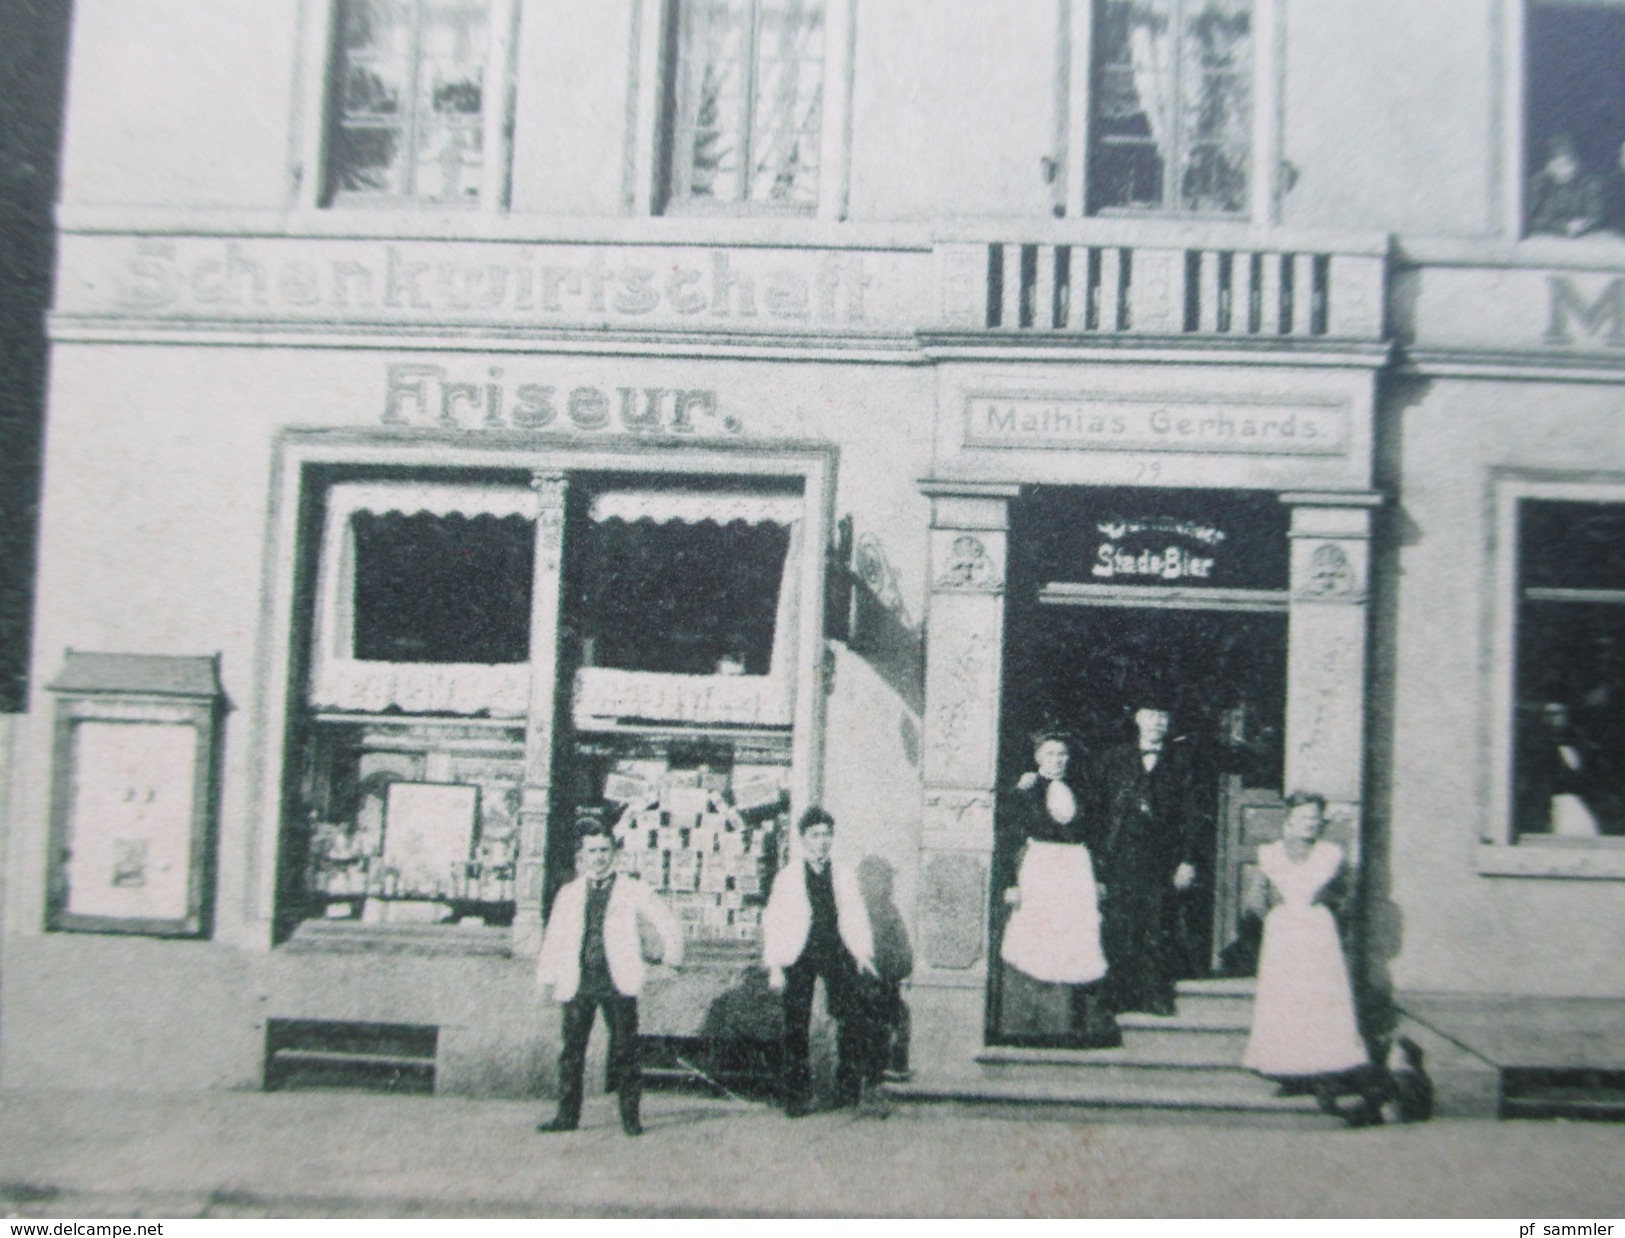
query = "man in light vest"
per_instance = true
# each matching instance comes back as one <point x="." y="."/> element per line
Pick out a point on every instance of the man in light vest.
<point x="816" y="925"/>
<point x="592" y="957"/>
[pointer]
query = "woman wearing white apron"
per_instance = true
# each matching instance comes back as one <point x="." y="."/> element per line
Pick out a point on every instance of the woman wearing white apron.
<point x="1053" y="934"/>
<point x="1304" y="1024"/>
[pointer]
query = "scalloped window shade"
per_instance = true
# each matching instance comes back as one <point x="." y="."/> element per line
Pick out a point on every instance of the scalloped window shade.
<point x="424" y="600"/>
<point x="690" y="603"/>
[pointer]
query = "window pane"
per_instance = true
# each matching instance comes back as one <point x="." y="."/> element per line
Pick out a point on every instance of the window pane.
<point x="448" y="161"/>
<point x="1172" y="122"/>
<point x="411" y="98"/>
<point x="749" y="120"/>
<point x="367" y="160"/>
<point x="1569" y="766"/>
<point x="788" y="117"/>
<point x="716" y="64"/>
<point x="380" y="28"/>
<point x="1571" y="545"/>
<point x="1216" y="90"/>
<point x="680" y="598"/>
<point x="1134" y="114"/>
<point x="442" y="588"/>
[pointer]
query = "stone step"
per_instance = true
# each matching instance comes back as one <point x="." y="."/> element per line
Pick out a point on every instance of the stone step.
<point x="1199" y="1050"/>
<point x="1191" y="1016"/>
<point x="1218" y="986"/>
<point x="1217" y="1000"/>
<point x="1116" y="1087"/>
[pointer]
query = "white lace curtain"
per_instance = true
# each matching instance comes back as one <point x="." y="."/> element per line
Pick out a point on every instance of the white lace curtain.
<point x="1190" y="61"/>
<point x="341" y="681"/>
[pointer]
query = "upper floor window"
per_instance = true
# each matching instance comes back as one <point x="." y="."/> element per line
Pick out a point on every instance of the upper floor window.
<point x="408" y="110"/>
<point x="747" y="105"/>
<point x="1574" y="126"/>
<point x="1172" y="124"/>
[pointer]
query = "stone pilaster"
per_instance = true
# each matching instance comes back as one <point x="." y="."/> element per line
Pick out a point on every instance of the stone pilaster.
<point x="964" y="657"/>
<point x="1325" y="723"/>
<point x="536" y="801"/>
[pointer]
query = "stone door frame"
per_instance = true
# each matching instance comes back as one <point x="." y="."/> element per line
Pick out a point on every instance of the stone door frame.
<point x="1324" y="744"/>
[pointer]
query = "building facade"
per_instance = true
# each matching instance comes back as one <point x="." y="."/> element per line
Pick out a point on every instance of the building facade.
<point x="464" y="410"/>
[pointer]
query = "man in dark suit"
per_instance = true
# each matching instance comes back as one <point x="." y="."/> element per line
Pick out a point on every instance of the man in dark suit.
<point x="1146" y="805"/>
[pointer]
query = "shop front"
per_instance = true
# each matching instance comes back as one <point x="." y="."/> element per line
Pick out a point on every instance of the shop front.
<point x="1108" y="538"/>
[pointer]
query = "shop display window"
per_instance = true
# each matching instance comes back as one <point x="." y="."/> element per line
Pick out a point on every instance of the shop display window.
<point x="704" y="824"/>
<point x="747" y="104"/>
<point x="1569" y="709"/>
<point x="411" y="823"/>
<point x="687" y="609"/>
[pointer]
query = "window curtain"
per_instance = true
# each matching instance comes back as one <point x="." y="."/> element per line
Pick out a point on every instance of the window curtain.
<point x="1153" y="42"/>
<point x="1191" y="65"/>
<point x="738" y="542"/>
<point x="341" y="681"/>
<point x="752" y="103"/>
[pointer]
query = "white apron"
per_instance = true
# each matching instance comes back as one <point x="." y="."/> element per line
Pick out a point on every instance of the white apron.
<point x="1303" y="1014"/>
<point x="1054" y="935"/>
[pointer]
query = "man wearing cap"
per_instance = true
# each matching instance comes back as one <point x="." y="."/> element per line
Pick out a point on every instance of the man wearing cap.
<point x="592" y="957"/>
<point x="816" y="925"/>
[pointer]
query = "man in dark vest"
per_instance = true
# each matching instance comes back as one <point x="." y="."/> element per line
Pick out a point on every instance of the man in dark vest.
<point x="592" y="956"/>
<point x="816" y="925"/>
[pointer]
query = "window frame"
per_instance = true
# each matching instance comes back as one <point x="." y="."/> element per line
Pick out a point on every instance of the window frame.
<point x="1512" y="30"/>
<point x="308" y="462"/>
<point x="321" y="63"/>
<point x="656" y="105"/>
<point x="1075" y="73"/>
<point x="1502" y="851"/>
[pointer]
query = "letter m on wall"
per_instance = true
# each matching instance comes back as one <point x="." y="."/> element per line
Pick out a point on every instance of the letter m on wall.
<point x="1604" y="317"/>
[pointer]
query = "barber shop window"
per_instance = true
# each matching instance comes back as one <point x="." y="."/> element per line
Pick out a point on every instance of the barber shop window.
<point x="1172" y="106"/>
<point x="745" y="105"/>
<point x="416" y="691"/>
<point x="687" y="603"/>
<point x="412" y="81"/>
<point x="1574" y="123"/>
<point x="1569" y="724"/>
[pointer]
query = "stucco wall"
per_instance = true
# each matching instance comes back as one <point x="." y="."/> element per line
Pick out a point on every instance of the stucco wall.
<point x="155" y="540"/>
<point x="1458" y="929"/>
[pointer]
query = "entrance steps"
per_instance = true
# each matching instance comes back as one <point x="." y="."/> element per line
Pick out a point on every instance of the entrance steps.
<point x="1185" y="1062"/>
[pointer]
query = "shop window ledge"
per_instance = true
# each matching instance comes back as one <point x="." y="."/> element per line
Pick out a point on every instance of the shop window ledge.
<point x="1596" y="858"/>
<point x="317" y="1053"/>
<point x="349" y="937"/>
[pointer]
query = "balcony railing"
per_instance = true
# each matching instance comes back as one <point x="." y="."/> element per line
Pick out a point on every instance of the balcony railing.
<point x="1033" y="288"/>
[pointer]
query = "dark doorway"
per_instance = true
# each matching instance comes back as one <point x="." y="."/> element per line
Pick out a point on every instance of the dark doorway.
<point x="1084" y="650"/>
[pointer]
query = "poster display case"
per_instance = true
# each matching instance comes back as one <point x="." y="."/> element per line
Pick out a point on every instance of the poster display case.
<point x="133" y="797"/>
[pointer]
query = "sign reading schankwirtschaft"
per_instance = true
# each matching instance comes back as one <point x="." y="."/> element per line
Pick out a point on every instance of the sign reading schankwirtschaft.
<point x="1099" y="422"/>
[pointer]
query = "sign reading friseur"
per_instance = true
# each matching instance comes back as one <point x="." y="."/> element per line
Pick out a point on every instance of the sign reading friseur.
<point x="497" y="283"/>
<point x="1109" y="422"/>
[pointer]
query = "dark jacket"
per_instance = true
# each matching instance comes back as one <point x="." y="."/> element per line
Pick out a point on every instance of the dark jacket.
<point x="1147" y="822"/>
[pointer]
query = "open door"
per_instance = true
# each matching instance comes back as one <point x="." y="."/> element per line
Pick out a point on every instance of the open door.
<point x="1249" y="817"/>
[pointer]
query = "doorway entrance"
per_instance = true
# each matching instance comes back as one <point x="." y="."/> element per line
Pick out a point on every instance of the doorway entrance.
<point x="1192" y="618"/>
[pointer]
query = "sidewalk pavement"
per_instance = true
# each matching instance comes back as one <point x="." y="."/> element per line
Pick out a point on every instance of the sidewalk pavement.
<point x="344" y="1154"/>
